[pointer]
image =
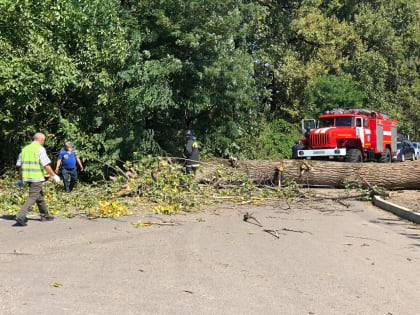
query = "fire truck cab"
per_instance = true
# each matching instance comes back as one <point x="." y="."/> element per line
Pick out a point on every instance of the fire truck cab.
<point x="354" y="135"/>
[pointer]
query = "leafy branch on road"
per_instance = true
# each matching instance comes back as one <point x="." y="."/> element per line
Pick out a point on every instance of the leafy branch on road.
<point x="158" y="184"/>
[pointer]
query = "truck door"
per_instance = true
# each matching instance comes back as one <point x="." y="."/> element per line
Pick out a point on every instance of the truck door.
<point x="367" y="133"/>
<point x="360" y="131"/>
<point x="306" y="126"/>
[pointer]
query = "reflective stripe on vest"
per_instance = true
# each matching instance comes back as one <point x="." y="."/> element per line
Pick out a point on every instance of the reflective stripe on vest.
<point x="31" y="166"/>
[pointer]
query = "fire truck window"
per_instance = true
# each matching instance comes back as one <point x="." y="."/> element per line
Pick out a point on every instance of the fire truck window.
<point x="344" y="121"/>
<point x="365" y="123"/>
<point x="358" y="122"/>
<point x="326" y="122"/>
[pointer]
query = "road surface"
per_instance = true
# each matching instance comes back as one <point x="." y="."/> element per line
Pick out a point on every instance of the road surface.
<point x="327" y="259"/>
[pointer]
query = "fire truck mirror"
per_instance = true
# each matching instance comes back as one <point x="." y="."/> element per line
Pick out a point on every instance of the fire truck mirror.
<point x="358" y="122"/>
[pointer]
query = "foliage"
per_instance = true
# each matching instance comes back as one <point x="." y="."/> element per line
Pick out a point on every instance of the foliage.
<point x="118" y="77"/>
<point x="11" y="199"/>
<point x="82" y="200"/>
<point x="370" y="44"/>
<point x="149" y="184"/>
<point x="141" y="224"/>
<point x="158" y="181"/>
<point x="106" y="209"/>
<point x="334" y="92"/>
<point x="358" y="186"/>
<point x="272" y="139"/>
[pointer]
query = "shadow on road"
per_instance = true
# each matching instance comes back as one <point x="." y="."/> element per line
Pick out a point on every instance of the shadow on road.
<point x="415" y="236"/>
<point x="398" y="222"/>
<point x="12" y="217"/>
<point x="8" y="217"/>
<point x="387" y="221"/>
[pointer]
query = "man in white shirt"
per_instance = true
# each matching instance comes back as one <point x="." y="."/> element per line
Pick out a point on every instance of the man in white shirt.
<point x="34" y="164"/>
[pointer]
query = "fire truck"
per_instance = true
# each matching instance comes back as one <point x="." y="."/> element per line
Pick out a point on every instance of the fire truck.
<point x="353" y="135"/>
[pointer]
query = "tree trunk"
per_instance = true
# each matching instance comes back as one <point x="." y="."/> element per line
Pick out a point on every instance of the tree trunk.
<point x="337" y="174"/>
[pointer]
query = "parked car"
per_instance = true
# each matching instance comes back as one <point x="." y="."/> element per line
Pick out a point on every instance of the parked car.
<point x="417" y="149"/>
<point x="405" y="151"/>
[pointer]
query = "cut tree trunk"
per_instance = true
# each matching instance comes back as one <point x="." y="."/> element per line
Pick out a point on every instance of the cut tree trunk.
<point x="337" y="174"/>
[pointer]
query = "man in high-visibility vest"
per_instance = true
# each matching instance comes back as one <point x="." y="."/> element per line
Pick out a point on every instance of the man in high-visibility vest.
<point x="34" y="165"/>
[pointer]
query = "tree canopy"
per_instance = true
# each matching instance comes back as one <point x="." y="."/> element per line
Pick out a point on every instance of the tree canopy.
<point x="124" y="78"/>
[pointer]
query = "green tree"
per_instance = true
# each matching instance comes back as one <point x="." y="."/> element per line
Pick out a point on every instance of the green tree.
<point x="118" y="77"/>
<point x="334" y="91"/>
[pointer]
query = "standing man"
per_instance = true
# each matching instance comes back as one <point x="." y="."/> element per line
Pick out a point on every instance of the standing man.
<point x="34" y="164"/>
<point x="68" y="156"/>
<point x="191" y="153"/>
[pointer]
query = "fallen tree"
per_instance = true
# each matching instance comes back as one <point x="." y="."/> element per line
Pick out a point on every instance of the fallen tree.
<point x="336" y="174"/>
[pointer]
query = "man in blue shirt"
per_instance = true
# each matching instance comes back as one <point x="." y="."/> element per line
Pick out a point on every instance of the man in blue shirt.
<point x="68" y="157"/>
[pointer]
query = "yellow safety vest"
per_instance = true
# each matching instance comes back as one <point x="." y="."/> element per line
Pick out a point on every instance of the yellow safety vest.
<point x="31" y="165"/>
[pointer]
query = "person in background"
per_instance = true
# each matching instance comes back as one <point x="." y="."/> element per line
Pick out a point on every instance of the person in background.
<point x="295" y="150"/>
<point x="68" y="158"/>
<point x="191" y="153"/>
<point x="34" y="165"/>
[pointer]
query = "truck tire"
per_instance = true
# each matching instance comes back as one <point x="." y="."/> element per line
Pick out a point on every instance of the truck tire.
<point x="354" y="156"/>
<point x="386" y="157"/>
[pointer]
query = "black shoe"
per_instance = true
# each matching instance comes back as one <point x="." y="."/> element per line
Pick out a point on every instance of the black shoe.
<point x="47" y="218"/>
<point x="20" y="222"/>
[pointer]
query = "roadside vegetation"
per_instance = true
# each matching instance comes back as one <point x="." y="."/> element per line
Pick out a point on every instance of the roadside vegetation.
<point x="122" y="79"/>
<point x="151" y="184"/>
<point x="159" y="185"/>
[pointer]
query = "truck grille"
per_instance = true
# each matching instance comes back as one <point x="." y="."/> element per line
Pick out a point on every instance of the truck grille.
<point x="319" y="139"/>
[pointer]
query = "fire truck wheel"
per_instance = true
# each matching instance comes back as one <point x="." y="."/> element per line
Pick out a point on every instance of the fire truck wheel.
<point x="354" y="156"/>
<point x="386" y="157"/>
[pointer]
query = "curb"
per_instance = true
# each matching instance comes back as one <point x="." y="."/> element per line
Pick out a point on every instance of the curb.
<point x="396" y="209"/>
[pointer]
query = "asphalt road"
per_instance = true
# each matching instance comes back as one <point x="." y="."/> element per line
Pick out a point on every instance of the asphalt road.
<point x="325" y="261"/>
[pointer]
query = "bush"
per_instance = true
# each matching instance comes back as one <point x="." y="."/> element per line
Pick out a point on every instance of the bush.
<point x="274" y="140"/>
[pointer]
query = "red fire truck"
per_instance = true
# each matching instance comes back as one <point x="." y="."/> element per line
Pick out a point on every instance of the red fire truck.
<point x="353" y="135"/>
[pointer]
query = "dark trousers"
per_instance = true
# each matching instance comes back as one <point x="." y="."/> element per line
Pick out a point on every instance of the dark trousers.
<point x="72" y="174"/>
<point x="191" y="169"/>
<point x="35" y="195"/>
